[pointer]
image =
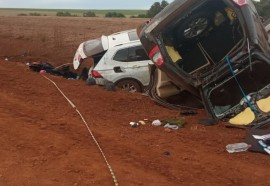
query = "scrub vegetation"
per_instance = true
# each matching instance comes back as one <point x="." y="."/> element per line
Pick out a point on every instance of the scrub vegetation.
<point x="79" y="13"/>
<point x="263" y="8"/>
<point x="154" y="9"/>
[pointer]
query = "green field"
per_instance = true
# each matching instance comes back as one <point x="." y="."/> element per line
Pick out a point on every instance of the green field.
<point x="77" y="12"/>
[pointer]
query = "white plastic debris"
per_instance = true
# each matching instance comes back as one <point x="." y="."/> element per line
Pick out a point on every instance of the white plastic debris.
<point x="141" y="122"/>
<point x="156" y="122"/>
<point x="133" y="124"/>
<point x="174" y="127"/>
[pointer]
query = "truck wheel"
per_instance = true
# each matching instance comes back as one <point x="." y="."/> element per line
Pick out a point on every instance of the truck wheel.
<point x="194" y="26"/>
<point x="129" y="85"/>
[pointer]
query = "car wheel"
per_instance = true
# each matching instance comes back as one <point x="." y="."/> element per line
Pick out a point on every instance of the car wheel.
<point x="129" y="85"/>
<point x="194" y="26"/>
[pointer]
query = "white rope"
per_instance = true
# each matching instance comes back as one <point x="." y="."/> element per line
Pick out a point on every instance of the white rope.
<point x="89" y="130"/>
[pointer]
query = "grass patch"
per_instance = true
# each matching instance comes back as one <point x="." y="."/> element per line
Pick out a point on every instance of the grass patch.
<point x="78" y="12"/>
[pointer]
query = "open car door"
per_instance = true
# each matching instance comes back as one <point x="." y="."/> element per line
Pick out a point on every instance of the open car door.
<point x="99" y="45"/>
<point x="88" y="49"/>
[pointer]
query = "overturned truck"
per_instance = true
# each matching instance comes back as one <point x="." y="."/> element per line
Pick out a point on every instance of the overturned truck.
<point x="216" y="52"/>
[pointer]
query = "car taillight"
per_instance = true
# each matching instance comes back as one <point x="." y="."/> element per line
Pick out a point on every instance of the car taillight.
<point x="156" y="56"/>
<point x="96" y="74"/>
<point x="241" y="2"/>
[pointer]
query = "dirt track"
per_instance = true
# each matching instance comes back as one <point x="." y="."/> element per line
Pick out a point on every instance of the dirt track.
<point x="44" y="142"/>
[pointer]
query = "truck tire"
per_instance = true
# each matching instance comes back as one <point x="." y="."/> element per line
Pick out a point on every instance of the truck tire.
<point x="194" y="26"/>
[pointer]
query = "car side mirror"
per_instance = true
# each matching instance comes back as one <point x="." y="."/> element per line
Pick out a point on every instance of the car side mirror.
<point x="119" y="69"/>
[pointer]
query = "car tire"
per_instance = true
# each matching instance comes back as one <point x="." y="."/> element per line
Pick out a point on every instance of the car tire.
<point x="129" y="85"/>
<point x="194" y="26"/>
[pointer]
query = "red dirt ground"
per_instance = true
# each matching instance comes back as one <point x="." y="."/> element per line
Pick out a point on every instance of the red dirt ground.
<point x="44" y="142"/>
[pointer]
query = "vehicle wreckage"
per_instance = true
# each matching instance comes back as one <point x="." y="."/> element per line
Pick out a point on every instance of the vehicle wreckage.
<point x="213" y="51"/>
<point x="118" y="58"/>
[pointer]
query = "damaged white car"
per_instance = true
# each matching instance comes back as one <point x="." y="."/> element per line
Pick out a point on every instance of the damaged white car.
<point x="119" y="58"/>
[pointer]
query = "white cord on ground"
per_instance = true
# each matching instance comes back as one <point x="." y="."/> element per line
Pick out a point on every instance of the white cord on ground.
<point x="89" y="130"/>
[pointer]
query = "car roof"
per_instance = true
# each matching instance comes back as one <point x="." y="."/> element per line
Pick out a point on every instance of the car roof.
<point x="119" y="38"/>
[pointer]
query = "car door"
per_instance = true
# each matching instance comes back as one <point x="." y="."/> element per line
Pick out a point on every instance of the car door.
<point x="125" y="61"/>
<point x="138" y="64"/>
<point x="113" y="65"/>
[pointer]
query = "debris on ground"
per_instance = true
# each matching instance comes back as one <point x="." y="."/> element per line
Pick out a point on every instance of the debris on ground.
<point x="141" y="122"/>
<point x="259" y="139"/>
<point x="108" y="85"/>
<point x="167" y="153"/>
<point x="45" y="67"/>
<point x="136" y="124"/>
<point x="189" y="113"/>
<point x="133" y="124"/>
<point x="156" y="122"/>
<point x="91" y="81"/>
<point x="170" y="126"/>
<point x="172" y="123"/>
<point x="237" y="147"/>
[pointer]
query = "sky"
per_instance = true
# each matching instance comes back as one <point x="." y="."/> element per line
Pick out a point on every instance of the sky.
<point x="79" y="4"/>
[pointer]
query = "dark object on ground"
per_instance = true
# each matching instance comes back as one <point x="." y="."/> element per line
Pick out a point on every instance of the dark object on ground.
<point x="166" y="153"/>
<point x="249" y="139"/>
<point x="189" y="113"/>
<point x="208" y="122"/>
<point x="109" y="86"/>
<point x="91" y="81"/>
<point x="38" y="66"/>
<point x="228" y="125"/>
<point x="63" y="71"/>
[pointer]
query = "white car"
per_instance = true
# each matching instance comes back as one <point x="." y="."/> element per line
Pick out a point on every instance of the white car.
<point x="119" y="58"/>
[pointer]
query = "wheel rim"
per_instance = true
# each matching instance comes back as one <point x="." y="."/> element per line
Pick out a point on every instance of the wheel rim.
<point x="129" y="87"/>
<point x="196" y="27"/>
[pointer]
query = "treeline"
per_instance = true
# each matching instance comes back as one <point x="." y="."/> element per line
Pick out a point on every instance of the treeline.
<point x="154" y="9"/>
<point x="65" y="14"/>
<point x="263" y="8"/>
<point x="32" y="14"/>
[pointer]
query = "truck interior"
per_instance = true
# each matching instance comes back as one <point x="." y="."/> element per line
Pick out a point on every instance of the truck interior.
<point x="203" y="37"/>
